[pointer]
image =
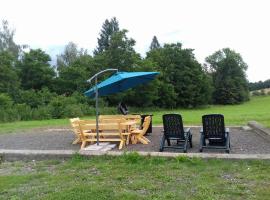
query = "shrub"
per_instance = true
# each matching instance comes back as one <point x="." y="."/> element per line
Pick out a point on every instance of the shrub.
<point x="23" y="111"/>
<point x="5" y="101"/>
<point x="35" y="98"/>
<point x="73" y="110"/>
<point x="42" y="112"/>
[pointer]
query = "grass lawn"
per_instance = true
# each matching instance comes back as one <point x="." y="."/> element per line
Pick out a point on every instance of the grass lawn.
<point x="134" y="177"/>
<point x="257" y="109"/>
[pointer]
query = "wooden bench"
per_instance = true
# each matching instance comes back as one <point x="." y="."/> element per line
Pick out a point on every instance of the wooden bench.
<point x="106" y="118"/>
<point x="108" y="132"/>
<point x="74" y="122"/>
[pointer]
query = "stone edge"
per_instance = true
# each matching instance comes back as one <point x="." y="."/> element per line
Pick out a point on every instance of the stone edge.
<point x="260" y="129"/>
<point x="16" y="155"/>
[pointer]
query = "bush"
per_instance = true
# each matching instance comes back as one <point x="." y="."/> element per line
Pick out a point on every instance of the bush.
<point x="23" y="111"/>
<point x="5" y="101"/>
<point x="35" y="98"/>
<point x="42" y="112"/>
<point x="73" y="110"/>
<point x="62" y="106"/>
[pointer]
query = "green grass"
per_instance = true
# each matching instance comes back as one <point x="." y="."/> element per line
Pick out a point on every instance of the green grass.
<point x="258" y="109"/>
<point x="134" y="177"/>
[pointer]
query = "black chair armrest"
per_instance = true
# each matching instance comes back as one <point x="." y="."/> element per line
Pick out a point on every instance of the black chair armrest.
<point x="186" y="130"/>
<point x="201" y="130"/>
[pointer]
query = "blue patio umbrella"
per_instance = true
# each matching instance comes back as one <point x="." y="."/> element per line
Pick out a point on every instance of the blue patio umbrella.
<point x="118" y="82"/>
<point x="121" y="81"/>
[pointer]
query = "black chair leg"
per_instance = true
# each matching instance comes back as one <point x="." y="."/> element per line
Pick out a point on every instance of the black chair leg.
<point x="162" y="143"/>
<point x="228" y="145"/>
<point x="201" y="143"/>
<point x="168" y="142"/>
<point x="190" y="140"/>
<point x="185" y="145"/>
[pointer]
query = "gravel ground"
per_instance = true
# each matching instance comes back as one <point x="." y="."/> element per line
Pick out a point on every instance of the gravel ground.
<point x="242" y="141"/>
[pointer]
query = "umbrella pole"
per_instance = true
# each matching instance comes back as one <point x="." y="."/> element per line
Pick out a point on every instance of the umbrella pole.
<point x="96" y="90"/>
<point x="97" y="112"/>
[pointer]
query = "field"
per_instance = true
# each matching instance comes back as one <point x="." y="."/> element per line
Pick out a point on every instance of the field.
<point x="258" y="109"/>
<point x="134" y="177"/>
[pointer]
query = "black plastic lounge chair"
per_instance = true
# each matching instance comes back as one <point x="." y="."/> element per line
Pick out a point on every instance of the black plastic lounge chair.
<point x="122" y="108"/>
<point x="215" y="132"/>
<point x="174" y="130"/>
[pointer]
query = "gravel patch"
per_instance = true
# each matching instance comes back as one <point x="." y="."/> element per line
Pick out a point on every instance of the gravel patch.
<point x="242" y="141"/>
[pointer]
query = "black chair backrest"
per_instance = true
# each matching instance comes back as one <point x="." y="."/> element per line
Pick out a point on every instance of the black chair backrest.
<point x="173" y="126"/>
<point x="213" y="126"/>
<point x="122" y="108"/>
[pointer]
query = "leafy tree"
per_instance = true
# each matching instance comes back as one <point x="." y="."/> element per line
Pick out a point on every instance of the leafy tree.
<point x="70" y="54"/>
<point x="143" y="95"/>
<point x="35" y="71"/>
<point x="120" y="53"/>
<point x="229" y="77"/>
<point x="108" y="29"/>
<point x="154" y="44"/>
<point x="73" y="77"/>
<point x="183" y="81"/>
<point x="6" y="40"/>
<point x="9" y="82"/>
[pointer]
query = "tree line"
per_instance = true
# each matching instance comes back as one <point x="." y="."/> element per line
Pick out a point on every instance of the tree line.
<point x="259" y="85"/>
<point x="30" y="88"/>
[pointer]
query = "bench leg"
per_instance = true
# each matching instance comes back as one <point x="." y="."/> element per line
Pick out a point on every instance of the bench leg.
<point x="146" y="139"/>
<point x="83" y="144"/>
<point x="122" y="142"/>
<point x="142" y="140"/>
<point x="77" y="140"/>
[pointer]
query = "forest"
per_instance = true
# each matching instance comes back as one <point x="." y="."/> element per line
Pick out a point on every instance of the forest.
<point x="31" y="87"/>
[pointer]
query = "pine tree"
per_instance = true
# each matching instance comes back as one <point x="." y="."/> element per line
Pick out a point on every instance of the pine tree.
<point x="108" y="29"/>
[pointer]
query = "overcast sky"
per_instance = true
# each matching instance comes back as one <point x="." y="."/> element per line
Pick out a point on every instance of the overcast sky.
<point x="203" y="25"/>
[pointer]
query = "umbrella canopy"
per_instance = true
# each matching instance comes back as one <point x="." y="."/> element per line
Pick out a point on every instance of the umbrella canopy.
<point x="121" y="81"/>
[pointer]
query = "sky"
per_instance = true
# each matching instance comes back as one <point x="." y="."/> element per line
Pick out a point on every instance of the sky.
<point x="203" y="25"/>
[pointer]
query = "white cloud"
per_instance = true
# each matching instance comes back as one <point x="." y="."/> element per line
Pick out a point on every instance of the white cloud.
<point x="205" y="26"/>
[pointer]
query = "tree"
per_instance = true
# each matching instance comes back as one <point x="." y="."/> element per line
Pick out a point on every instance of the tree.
<point x="70" y="54"/>
<point x="229" y="77"/>
<point x="154" y="44"/>
<point x="74" y="76"/>
<point x="259" y="85"/>
<point x="35" y="71"/>
<point x="120" y="53"/>
<point x="6" y="40"/>
<point x="9" y="81"/>
<point x="108" y="29"/>
<point x="183" y="82"/>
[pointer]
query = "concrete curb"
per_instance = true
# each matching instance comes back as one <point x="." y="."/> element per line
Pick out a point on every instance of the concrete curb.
<point x="194" y="126"/>
<point x="260" y="129"/>
<point x="15" y="155"/>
